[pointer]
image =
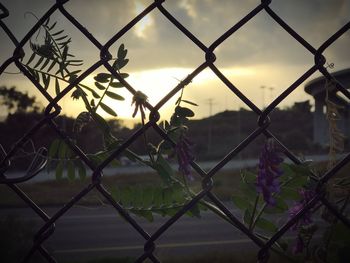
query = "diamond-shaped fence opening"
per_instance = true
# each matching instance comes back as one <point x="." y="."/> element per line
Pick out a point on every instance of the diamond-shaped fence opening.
<point x="279" y="196"/>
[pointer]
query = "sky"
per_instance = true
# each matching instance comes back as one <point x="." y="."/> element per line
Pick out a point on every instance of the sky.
<point x="259" y="54"/>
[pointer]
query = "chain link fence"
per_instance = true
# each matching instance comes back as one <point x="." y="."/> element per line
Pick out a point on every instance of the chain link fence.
<point x="52" y="111"/>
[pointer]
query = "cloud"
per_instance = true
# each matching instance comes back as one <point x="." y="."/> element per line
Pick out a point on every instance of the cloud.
<point x="260" y="40"/>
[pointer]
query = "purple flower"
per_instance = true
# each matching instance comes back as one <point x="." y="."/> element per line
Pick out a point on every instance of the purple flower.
<point x="269" y="172"/>
<point x="304" y="221"/>
<point x="184" y="152"/>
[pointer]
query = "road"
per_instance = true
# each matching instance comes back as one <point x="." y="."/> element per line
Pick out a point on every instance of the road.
<point x="100" y="232"/>
<point x="139" y="169"/>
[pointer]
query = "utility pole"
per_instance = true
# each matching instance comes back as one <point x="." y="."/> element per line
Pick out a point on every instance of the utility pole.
<point x="210" y="102"/>
<point x="263" y="96"/>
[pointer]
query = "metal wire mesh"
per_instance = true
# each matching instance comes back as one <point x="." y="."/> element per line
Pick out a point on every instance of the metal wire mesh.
<point x="53" y="110"/>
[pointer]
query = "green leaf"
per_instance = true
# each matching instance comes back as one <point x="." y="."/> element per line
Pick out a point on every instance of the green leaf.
<point x="31" y="58"/>
<point x="145" y="214"/>
<point x="189" y="102"/>
<point x="157" y="197"/>
<point x="64" y="53"/>
<point x="92" y="91"/>
<point x="116" y="85"/>
<point x="52" y="65"/>
<point x="57" y="87"/>
<point x="52" y="26"/>
<point x="114" y="96"/>
<point x="248" y="191"/>
<point x="289" y="193"/>
<point x="70" y="170"/>
<point x="248" y="177"/>
<point x="179" y="195"/>
<point x="57" y="33"/>
<point x="75" y="72"/>
<point x="137" y="197"/>
<point x="60" y="69"/>
<point x="99" y="86"/>
<point x="108" y="109"/>
<point x="126" y="196"/>
<point x="62" y="150"/>
<point x="247" y="217"/>
<point x="195" y="211"/>
<point x="46" y="80"/>
<point x="59" y="170"/>
<point x="102" y="77"/>
<point x="279" y="208"/>
<point x="266" y="225"/>
<point x="39" y="62"/>
<point x="60" y="38"/>
<point x="147" y="197"/>
<point x="120" y="63"/>
<point x="281" y="204"/>
<point x="297" y="182"/>
<point x="300" y="169"/>
<point x="240" y="202"/>
<point x="167" y="196"/>
<point x="122" y="52"/>
<point x="184" y="112"/>
<point x="164" y="169"/>
<point x="47" y="21"/>
<point x="45" y="63"/>
<point x="81" y="170"/>
<point x="75" y="62"/>
<point x="53" y="148"/>
<point x="287" y="170"/>
<point x="124" y="75"/>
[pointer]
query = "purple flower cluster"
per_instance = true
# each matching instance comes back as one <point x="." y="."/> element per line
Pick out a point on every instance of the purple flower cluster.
<point x="184" y="152"/>
<point x="305" y="220"/>
<point x="298" y="206"/>
<point x="269" y="172"/>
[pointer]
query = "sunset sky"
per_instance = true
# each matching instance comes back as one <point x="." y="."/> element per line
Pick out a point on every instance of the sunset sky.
<point x="259" y="54"/>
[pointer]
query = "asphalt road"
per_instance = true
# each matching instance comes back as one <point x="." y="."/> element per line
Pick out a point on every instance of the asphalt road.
<point x="101" y="232"/>
<point x="139" y="169"/>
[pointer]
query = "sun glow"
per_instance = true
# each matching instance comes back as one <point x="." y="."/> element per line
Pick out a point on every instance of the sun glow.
<point x="157" y="83"/>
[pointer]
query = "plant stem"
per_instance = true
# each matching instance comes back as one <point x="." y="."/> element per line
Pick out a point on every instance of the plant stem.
<point x="253" y="214"/>
<point x="181" y="94"/>
<point x="103" y="95"/>
<point x="146" y="140"/>
<point x="208" y="205"/>
<point x="53" y="40"/>
<point x="262" y="209"/>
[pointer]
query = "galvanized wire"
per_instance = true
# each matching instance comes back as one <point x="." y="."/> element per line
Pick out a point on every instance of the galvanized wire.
<point x="52" y="111"/>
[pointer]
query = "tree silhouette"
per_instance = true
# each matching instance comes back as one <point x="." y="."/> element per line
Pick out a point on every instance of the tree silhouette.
<point x="18" y="101"/>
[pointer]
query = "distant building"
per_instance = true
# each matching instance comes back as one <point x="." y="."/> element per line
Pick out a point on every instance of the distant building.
<point x="317" y="88"/>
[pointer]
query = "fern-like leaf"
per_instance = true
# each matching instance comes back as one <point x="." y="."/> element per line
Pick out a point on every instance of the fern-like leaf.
<point x="146" y="201"/>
